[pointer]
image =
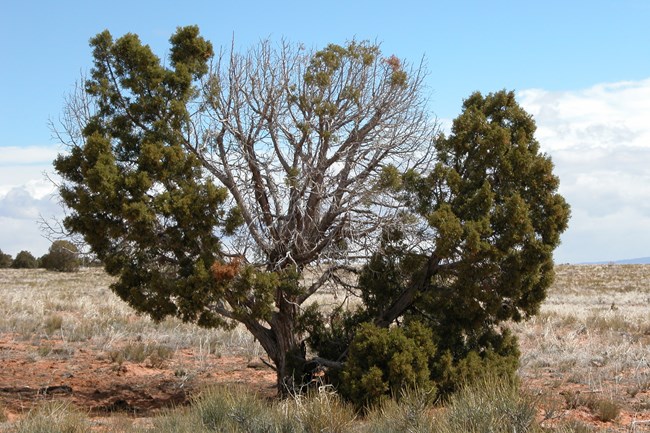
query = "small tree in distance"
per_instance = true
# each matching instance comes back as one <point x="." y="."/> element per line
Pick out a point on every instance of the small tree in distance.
<point x="5" y="260"/>
<point x="63" y="256"/>
<point x="233" y="189"/>
<point x="24" y="260"/>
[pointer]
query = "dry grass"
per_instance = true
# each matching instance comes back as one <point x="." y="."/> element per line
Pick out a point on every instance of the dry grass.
<point x="37" y="305"/>
<point x="586" y="352"/>
<point x="592" y="337"/>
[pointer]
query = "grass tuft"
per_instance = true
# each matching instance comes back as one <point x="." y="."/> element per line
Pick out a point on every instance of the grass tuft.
<point x="139" y="352"/>
<point x="605" y="410"/>
<point x="490" y="405"/>
<point x="412" y="413"/>
<point x="53" y="323"/>
<point x="54" y="417"/>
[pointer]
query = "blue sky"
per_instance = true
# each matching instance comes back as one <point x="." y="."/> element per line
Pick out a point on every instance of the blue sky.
<point x="582" y="68"/>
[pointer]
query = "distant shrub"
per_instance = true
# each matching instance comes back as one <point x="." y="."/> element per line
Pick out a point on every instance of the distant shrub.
<point x="63" y="256"/>
<point x="24" y="260"/>
<point x="5" y="260"/>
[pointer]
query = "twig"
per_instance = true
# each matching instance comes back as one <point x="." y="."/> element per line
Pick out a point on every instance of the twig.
<point x="268" y="364"/>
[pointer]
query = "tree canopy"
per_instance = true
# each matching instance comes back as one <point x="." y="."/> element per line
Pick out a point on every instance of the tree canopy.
<point x="5" y="260"/>
<point x="231" y="188"/>
<point x="62" y="256"/>
<point x="24" y="260"/>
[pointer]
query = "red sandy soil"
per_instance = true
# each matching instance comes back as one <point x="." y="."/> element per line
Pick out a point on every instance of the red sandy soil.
<point x="89" y="379"/>
<point x="561" y="402"/>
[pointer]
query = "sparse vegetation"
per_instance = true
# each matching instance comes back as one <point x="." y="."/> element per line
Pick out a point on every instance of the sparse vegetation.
<point x="155" y="354"/>
<point x="53" y="417"/>
<point x="489" y="405"/>
<point x="63" y="256"/>
<point x="579" y="346"/>
<point x="606" y="410"/>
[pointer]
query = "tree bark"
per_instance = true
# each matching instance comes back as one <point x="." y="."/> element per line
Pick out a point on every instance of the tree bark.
<point x="283" y="345"/>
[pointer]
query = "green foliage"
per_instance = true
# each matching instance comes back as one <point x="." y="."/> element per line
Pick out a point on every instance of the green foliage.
<point x="496" y="355"/>
<point x="325" y="63"/>
<point x="24" y="260"/>
<point x="210" y="187"/>
<point x="494" y="213"/>
<point x="492" y="217"/>
<point x="5" y="260"/>
<point x="63" y="256"/>
<point x="382" y="362"/>
<point x="139" y="200"/>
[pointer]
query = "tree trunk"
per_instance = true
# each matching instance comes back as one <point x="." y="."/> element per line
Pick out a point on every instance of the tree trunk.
<point x="284" y="346"/>
<point x="290" y="356"/>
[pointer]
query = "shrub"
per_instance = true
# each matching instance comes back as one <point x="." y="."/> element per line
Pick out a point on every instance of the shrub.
<point x="5" y="260"/>
<point x="322" y="411"/>
<point x="24" y="260"/>
<point x="605" y="410"/>
<point x="233" y="410"/>
<point x="497" y="355"/>
<point x="383" y="362"/>
<point x="63" y="256"/>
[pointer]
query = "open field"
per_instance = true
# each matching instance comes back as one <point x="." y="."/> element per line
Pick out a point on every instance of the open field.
<point x="590" y="345"/>
<point x="66" y="339"/>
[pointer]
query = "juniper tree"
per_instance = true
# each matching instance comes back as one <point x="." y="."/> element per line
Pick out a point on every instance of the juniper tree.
<point x="5" y="260"/>
<point x="478" y="250"/>
<point x="231" y="188"/>
<point x="24" y="260"/>
<point x="62" y="256"/>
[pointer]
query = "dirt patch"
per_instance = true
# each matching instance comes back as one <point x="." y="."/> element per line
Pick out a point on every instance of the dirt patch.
<point x="93" y="382"/>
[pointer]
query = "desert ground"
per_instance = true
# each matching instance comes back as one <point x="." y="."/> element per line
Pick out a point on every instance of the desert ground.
<point x="67" y="338"/>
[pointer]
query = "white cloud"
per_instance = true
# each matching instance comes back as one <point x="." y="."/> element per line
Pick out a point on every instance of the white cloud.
<point x="21" y="210"/>
<point x="21" y="203"/>
<point x="27" y="167"/>
<point x="26" y="195"/>
<point x="599" y="139"/>
<point x="605" y="116"/>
